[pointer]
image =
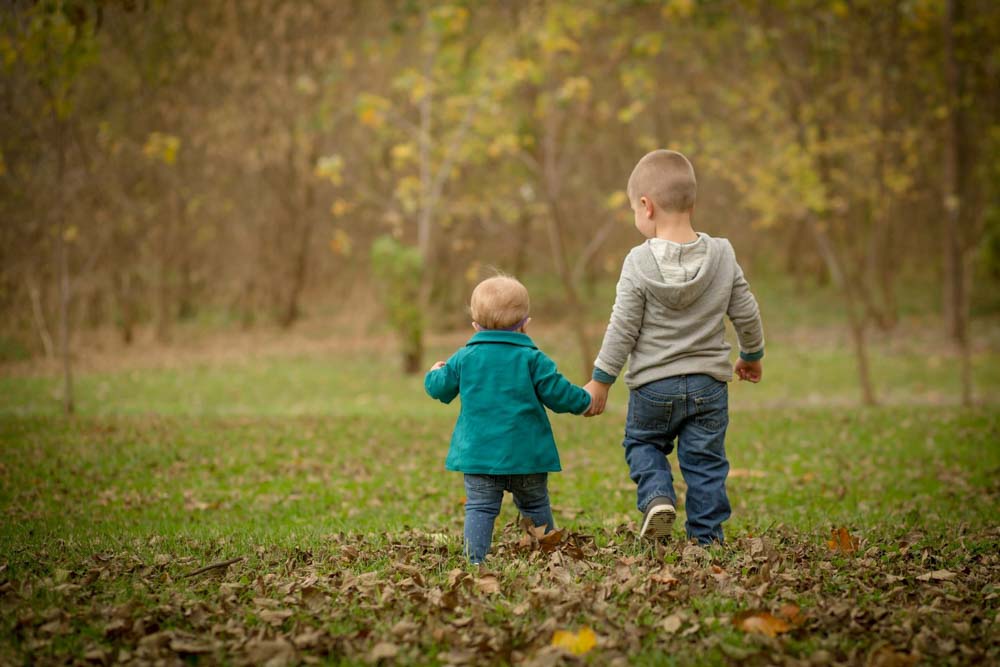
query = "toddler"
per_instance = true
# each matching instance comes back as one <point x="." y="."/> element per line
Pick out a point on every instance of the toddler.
<point x="502" y="440"/>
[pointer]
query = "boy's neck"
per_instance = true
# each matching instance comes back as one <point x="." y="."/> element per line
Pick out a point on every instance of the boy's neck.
<point x="674" y="226"/>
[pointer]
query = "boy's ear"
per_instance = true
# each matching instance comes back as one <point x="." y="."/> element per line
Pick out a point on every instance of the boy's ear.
<point x="648" y="205"/>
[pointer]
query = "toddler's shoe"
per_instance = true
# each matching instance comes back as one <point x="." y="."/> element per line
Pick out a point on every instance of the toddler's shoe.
<point x="658" y="519"/>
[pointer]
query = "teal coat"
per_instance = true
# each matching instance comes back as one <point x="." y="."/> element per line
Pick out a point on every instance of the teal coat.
<point x="505" y="383"/>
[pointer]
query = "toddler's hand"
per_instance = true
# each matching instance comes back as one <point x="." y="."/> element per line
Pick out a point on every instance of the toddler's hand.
<point x="749" y="370"/>
<point x="598" y="397"/>
<point x="437" y="365"/>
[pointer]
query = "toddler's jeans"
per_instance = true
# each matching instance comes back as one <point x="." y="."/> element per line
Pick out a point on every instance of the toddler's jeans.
<point x="483" y="496"/>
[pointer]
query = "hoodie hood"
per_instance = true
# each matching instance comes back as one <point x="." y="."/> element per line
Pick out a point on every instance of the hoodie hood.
<point x="677" y="295"/>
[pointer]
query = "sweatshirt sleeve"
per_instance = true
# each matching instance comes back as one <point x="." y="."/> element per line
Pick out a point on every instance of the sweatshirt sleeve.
<point x="555" y="391"/>
<point x="745" y="316"/>
<point x="443" y="383"/>
<point x="623" y="329"/>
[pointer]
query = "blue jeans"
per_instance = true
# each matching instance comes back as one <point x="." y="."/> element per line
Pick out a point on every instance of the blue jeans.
<point x="694" y="411"/>
<point x="483" y="496"/>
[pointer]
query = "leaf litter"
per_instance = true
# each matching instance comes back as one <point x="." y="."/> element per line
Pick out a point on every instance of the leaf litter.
<point x="542" y="598"/>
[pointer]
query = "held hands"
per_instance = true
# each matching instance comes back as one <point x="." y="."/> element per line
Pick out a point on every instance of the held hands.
<point x="437" y="365"/>
<point x="598" y="397"/>
<point x="749" y="370"/>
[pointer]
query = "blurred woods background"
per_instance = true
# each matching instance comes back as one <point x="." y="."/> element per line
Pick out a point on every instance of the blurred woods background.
<point x="248" y="163"/>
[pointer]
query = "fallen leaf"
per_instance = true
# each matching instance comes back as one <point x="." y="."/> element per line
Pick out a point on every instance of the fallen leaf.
<point x="694" y="552"/>
<point x="672" y="623"/>
<point x="761" y="623"/>
<point x="884" y="655"/>
<point x="383" y="650"/>
<point x="842" y="541"/>
<point x="665" y="576"/>
<point x="577" y="643"/>
<point x="743" y="472"/>
<point x="270" y="653"/>
<point x="275" y="616"/>
<point x="488" y="584"/>
<point x="308" y="639"/>
<point x="791" y="612"/>
<point x="190" y="645"/>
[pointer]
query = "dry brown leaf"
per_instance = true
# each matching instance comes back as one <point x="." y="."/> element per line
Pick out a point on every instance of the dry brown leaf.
<point x="842" y="541"/>
<point x="792" y="613"/>
<point x="743" y="472"/>
<point x="308" y="639"/>
<point x="672" y="623"/>
<point x="275" y="616"/>
<point x="665" y="576"/>
<point x="191" y="645"/>
<point x="488" y="584"/>
<point x="270" y="653"/>
<point x="760" y="622"/>
<point x="383" y="650"/>
<point x="884" y="655"/>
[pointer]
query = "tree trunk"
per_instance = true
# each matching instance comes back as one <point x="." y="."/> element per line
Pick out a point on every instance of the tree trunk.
<point x="125" y="302"/>
<point x="855" y="316"/>
<point x="64" y="278"/>
<point x="64" y="323"/>
<point x="301" y="261"/>
<point x="164" y="301"/>
<point x="38" y="313"/>
<point x="523" y="242"/>
<point x="554" y="227"/>
<point x="955" y="281"/>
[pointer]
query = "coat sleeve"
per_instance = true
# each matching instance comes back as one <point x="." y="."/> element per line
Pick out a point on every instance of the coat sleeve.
<point x="443" y="384"/>
<point x="623" y="329"/>
<point x="555" y="391"/>
<point x="745" y="316"/>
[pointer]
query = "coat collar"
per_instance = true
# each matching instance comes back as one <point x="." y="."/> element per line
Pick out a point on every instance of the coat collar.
<point x="508" y="337"/>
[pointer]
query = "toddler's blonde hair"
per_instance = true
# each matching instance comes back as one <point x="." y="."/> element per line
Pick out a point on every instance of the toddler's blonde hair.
<point x="499" y="302"/>
<point x="666" y="178"/>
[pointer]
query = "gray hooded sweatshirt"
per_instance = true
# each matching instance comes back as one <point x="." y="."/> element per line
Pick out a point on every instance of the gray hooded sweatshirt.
<point x="664" y="330"/>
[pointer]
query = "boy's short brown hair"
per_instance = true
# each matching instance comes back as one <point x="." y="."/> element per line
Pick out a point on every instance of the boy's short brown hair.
<point x="499" y="302"/>
<point x="666" y="178"/>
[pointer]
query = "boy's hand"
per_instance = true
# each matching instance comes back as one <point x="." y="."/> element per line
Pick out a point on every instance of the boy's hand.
<point x="749" y="370"/>
<point x="598" y="397"/>
<point x="437" y="365"/>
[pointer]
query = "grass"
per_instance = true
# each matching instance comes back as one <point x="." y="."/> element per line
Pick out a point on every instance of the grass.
<point x="317" y="467"/>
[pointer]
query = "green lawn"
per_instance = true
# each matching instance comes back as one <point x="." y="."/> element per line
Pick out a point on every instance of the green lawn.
<point x="324" y="473"/>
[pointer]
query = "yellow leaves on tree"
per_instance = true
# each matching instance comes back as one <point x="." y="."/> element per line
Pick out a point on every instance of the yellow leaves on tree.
<point x="575" y="88"/>
<point x="402" y="154"/>
<point x="340" y="243"/>
<point x="678" y="9"/>
<point x="340" y="208"/>
<point x="162" y="147"/>
<point x="330" y="168"/>
<point x="842" y="541"/>
<point x="577" y="643"/>
<point x="450" y="19"/>
<point x="372" y="110"/>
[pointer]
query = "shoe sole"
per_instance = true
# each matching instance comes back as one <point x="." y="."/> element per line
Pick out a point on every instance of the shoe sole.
<point x="659" y="522"/>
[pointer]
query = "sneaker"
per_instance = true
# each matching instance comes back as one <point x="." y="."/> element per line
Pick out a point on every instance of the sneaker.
<point x="658" y="519"/>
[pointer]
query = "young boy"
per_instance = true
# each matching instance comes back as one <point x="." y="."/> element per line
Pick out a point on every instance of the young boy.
<point x="502" y="440"/>
<point x="667" y="321"/>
